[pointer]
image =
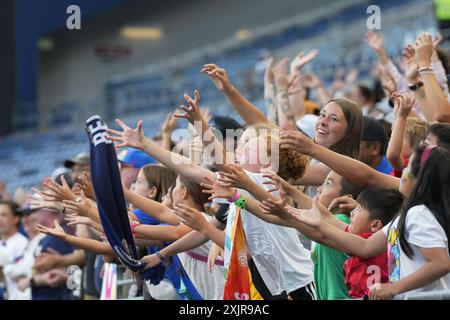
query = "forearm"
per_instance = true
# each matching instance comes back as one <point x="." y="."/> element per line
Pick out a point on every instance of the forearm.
<point x="428" y="273"/>
<point x="253" y="206"/>
<point x="394" y="149"/>
<point x="152" y="208"/>
<point x="215" y="235"/>
<point x="176" y="162"/>
<point x="249" y="113"/>
<point x="383" y="56"/>
<point x="297" y="104"/>
<point x="354" y="170"/>
<point x="269" y="101"/>
<point x="148" y="242"/>
<point x="166" y="141"/>
<point x="189" y="241"/>
<point x="322" y="94"/>
<point x="164" y="233"/>
<point x="85" y="244"/>
<point x="436" y="97"/>
<point x="285" y="115"/>
<point x="429" y="111"/>
<point x="214" y="148"/>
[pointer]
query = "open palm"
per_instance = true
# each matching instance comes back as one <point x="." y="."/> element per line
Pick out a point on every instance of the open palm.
<point x="129" y="137"/>
<point x="310" y="217"/>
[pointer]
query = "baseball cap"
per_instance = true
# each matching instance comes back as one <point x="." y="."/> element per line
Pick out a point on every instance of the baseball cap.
<point x="135" y="158"/>
<point x="373" y="131"/>
<point x="82" y="158"/>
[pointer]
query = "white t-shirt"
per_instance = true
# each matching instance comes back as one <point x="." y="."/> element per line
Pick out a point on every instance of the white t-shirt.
<point x="10" y="251"/>
<point x="422" y="231"/>
<point x="23" y="268"/>
<point x="209" y="285"/>
<point x="281" y="260"/>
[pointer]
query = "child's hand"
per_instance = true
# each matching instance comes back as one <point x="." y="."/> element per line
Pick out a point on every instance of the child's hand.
<point x="310" y="217"/>
<point x="232" y="175"/>
<point x="216" y="189"/>
<point x="191" y="217"/>
<point x="214" y="252"/>
<point x="151" y="261"/>
<point x="57" y="231"/>
<point x="60" y="192"/>
<point x="193" y="113"/>
<point x="403" y="103"/>
<point x="279" y="183"/>
<point x="382" y="291"/>
<point x="345" y="203"/>
<point x="297" y="141"/>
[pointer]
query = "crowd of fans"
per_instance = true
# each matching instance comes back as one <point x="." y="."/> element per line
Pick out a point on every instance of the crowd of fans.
<point x="343" y="191"/>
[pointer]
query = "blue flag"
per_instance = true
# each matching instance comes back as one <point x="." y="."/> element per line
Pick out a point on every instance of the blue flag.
<point x="108" y="191"/>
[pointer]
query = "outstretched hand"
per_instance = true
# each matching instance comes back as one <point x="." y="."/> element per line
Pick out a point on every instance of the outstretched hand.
<point x="296" y="141"/>
<point x="311" y="217"/>
<point x="403" y="103"/>
<point x="129" y="137"/>
<point x="216" y="189"/>
<point x="374" y="40"/>
<point x="57" y="231"/>
<point x="233" y="175"/>
<point x="193" y="113"/>
<point x="302" y="59"/>
<point x="218" y="75"/>
<point x="191" y="217"/>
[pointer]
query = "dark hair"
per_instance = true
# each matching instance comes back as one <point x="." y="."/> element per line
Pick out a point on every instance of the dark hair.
<point x="365" y="92"/>
<point x="159" y="177"/>
<point x="351" y="188"/>
<point x="194" y="190"/>
<point x="432" y="190"/>
<point x="442" y="132"/>
<point x="14" y="207"/>
<point x="382" y="203"/>
<point x="349" y="144"/>
<point x="68" y="179"/>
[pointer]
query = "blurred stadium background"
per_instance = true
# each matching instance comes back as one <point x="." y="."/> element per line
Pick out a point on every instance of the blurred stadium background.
<point x="134" y="59"/>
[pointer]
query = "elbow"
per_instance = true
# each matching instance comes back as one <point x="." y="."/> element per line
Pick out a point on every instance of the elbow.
<point x="442" y="117"/>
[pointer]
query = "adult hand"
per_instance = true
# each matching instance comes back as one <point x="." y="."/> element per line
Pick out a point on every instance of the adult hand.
<point x="133" y="138"/>
<point x="214" y="252"/>
<point x="375" y="41"/>
<point x="297" y="141"/>
<point x="81" y="206"/>
<point x="151" y="261"/>
<point x="169" y="124"/>
<point x="193" y="113"/>
<point x="281" y="75"/>
<point x="382" y="291"/>
<point x="424" y="49"/>
<point x="302" y="59"/>
<point x="219" y="77"/>
<point x="57" y="231"/>
<point x="73" y="219"/>
<point x="410" y="62"/>
<point x="60" y="192"/>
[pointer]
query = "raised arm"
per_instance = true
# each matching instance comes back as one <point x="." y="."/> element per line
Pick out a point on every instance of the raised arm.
<point x="245" y="108"/>
<point x="351" y="169"/>
<point x="403" y="104"/>
<point x="161" y="232"/>
<point x="434" y="93"/>
<point x="135" y="138"/>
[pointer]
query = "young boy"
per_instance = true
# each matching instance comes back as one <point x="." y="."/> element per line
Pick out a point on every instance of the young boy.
<point x="329" y="262"/>
<point x="373" y="209"/>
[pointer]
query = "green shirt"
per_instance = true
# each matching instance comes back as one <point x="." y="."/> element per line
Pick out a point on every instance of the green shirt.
<point x="329" y="270"/>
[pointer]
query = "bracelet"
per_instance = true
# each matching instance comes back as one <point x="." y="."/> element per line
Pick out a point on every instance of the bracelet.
<point x="425" y="70"/>
<point x="235" y="196"/>
<point x="160" y="256"/>
<point x="283" y="94"/>
<point x="240" y="203"/>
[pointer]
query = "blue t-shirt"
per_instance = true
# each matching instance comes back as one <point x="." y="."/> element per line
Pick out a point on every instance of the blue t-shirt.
<point x="145" y="218"/>
<point x="48" y="293"/>
<point x="384" y="166"/>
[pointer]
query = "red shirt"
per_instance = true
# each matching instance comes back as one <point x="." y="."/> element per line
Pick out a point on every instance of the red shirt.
<point x="357" y="271"/>
<point x="398" y="173"/>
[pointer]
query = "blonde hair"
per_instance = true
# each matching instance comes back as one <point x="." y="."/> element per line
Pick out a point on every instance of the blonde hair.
<point x="292" y="165"/>
<point x="416" y="131"/>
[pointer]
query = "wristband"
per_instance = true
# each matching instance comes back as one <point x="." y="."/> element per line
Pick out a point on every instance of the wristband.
<point x="240" y="202"/>
<point x="133" y="225"/>
<point x="160" y="256"/>
<point x="235" y="196"/>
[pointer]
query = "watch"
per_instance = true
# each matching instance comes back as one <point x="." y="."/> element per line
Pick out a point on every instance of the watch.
<point x="414" y="87"/>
